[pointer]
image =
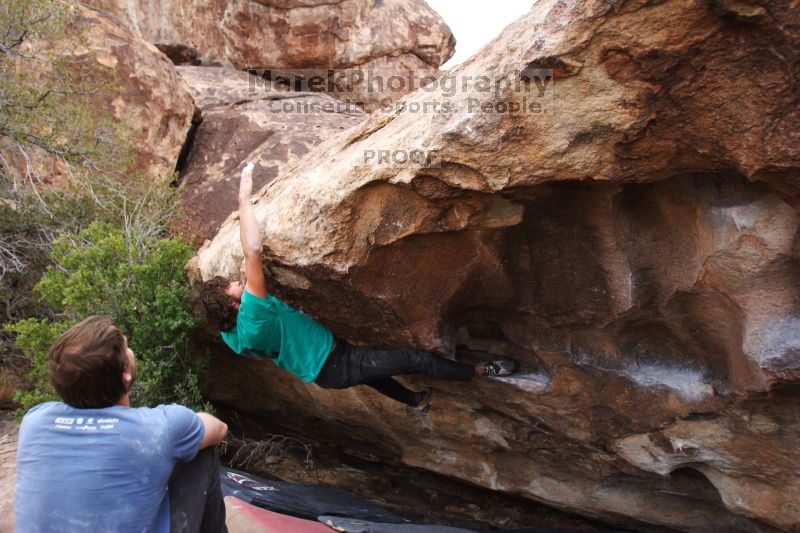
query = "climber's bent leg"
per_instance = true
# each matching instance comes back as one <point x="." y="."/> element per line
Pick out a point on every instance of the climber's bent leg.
<point x="394" y="390"/>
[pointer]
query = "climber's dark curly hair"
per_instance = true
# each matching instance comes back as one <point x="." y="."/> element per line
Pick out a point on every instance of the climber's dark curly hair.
<point x="215" y="308"/>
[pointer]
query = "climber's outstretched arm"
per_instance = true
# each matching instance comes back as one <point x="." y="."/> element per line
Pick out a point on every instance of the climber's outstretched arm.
<point x="250" y="236"/>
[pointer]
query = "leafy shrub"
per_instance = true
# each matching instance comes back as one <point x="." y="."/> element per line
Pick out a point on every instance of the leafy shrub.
<point x="36" y="336"/>
<point x="143" y="289"/>
<point x="92" y="244"/>
<point x="26" y="231"/>
<point x="64" y="160"/>
<point x="50" y="131"/>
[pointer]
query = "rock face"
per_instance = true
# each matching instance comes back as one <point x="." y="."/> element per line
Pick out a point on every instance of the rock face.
<point x="385" y="37"/>
<point x="246" y="119"/>
<point x="629" y="234"/>
<point x="145" y="93"/>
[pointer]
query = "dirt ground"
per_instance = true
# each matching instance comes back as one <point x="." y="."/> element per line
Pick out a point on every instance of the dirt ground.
<point x="8" y="471"/>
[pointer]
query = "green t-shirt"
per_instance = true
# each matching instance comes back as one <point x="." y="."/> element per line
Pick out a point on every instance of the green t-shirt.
<point x="267" y="327"/>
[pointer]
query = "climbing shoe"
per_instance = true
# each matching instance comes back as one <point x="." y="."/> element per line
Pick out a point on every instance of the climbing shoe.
<point x="424" y="400"/>
<point x="502" y="367"/>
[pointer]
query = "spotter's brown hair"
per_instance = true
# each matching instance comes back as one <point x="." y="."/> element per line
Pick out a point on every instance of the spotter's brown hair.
<point x="86" y="364"/>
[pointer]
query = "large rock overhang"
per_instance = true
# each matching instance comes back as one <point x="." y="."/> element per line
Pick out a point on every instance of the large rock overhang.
<point x="631" y="240"/>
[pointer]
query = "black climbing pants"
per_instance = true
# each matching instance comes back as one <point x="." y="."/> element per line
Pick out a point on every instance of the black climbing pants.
<point x="195" y="495"/>
<point x="347" y="366"/>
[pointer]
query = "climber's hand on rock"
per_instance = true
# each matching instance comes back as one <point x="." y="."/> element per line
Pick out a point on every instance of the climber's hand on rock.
<point x="246" y="182"/>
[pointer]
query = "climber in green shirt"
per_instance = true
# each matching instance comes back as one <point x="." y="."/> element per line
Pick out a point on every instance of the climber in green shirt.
<point x="254" y="323"/>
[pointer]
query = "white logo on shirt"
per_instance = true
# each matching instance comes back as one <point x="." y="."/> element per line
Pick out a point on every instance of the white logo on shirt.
<point x="66" y="422"/>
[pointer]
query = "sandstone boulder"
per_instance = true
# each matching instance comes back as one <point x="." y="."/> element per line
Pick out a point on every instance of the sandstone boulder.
<point x="403" y="38"/>
<point x="140" y="89"/>
<point x="616" y="208"/>
<point x="246" y="119"/>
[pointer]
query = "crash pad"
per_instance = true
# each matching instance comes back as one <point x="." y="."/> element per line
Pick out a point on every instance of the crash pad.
<point x="302" y="501"/>
<point x="350" y="525"/>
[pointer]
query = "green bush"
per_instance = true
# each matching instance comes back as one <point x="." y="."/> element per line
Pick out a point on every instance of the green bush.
<point x="36" y="336"/>
<point x="26" y="231"/>
<point x="52" y="132"/>
<point x="94" y="243"/>
<point x="143" y="289"/>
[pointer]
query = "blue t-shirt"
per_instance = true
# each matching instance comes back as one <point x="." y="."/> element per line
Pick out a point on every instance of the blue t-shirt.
<point x="100" y="470"/>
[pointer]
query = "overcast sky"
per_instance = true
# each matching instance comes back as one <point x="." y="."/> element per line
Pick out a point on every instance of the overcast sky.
<point x="476" y="22"/>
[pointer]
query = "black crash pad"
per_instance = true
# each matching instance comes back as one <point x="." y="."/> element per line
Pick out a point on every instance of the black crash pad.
<point x="302" y="501"/>
<point x="351" y="525"/>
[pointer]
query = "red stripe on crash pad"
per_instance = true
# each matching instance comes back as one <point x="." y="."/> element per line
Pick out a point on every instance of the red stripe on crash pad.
<point x="244" y="517"/>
